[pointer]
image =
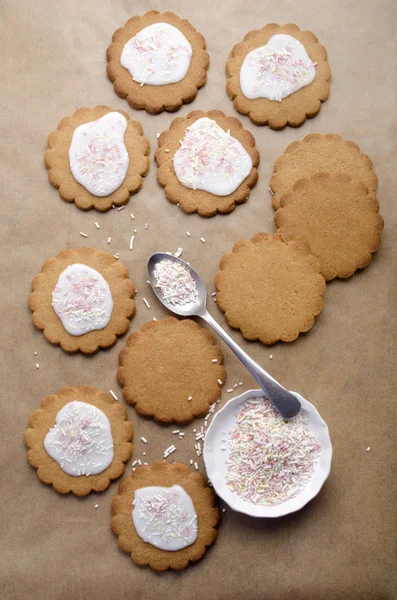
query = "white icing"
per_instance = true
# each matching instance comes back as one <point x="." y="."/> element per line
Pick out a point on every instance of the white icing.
<point x="98" y="157"/>
<point x="276" y="70"/>
<point x="211" y="159"/>
<point x="165" y="517"/>
<point x="157" y="55"/>
<point x="82" y="299"/>
<point x="81" y="441"/>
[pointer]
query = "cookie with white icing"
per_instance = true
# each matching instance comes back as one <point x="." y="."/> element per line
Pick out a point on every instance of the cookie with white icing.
<point x="165" y="516"/>
<point x="97" y="158"/>
<point x="82" y="300"/>
<point x="207" y="163"/>
<point x="317" y="153"/>
<point x="171" y="370"/>
<point x="278" y="76"/>
<point x="157" y="61"/>
<point x="79" y="440"/>
<point x="270" y="289"/>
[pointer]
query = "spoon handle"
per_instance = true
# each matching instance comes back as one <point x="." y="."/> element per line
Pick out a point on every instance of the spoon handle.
<point x="286" y="403"/>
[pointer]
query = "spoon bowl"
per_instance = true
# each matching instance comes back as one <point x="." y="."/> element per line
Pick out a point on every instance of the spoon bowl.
<point x="287" y="404"/>
<point x="186" y="310"/>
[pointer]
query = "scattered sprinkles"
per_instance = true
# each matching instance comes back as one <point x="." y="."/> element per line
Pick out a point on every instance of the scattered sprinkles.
<point x="165" y="517"/>
<point x="202" y="240"/>
<point x="210" y="159"/>
<point x="175" y="282"/>
<point x="280" y="68"/>
<point x="111" y="392"/>
<point x="132" y="242"/>
<point x="83" y="234"/>
<point x="270" y="460"/>
<point x="146" y="302"/>
<point x="80" y="441"/>
<point x="97" y="225"/>
<point x="178" y="252"/>
<point x="144" y="440"/>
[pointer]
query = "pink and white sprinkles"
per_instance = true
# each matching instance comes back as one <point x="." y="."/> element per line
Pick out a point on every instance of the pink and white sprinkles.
<point x="157" y="55"/>
<point x="276" y="70"/>
<point x="81" y="440"/>
<point x="211" y="159"/>
<point x="270" y="460"/>
<point x="82" y="299"/>
<point x="165" y="517"/>
<point x="98" y="157"/>
<point x="175" y="282"/>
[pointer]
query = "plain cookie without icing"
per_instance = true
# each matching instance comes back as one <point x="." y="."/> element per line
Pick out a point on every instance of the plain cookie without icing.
<point x="43" y="419"/>
<point x="156" y="98"/>
<point x="165" y="475"/>
<point x="269" y="289"/>
<point x="197" y="200"/>
<point x="315" y="153"/>
<point x="337" y="217"/>
<point x="166" y="363"/>
<point x="299" y="105"/>
<point x="60" y="174"/>
<point x="122" y="290"/>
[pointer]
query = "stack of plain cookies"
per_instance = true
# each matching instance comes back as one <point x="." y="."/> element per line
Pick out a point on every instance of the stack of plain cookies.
<point x="325" y="195"/>
<point x="328" y="225"/>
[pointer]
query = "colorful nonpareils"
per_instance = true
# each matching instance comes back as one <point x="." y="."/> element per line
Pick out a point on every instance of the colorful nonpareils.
<point x="270" y="460"/>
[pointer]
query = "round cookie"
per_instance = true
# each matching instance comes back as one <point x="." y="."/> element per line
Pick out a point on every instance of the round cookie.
<point x="86" y="292"/>
<point x="157" y="62"/>
<point x="79" y="440"/>
<point x="200" y="169"/>
<point x="202" y="504"/>
<point x="317" y="152"/>
<point x="337" y="217"/>
<point x="167" y="370"/>
<point x="269" y="289"/>
<point x="278" y="76"/>
<point x="97" y="158"/>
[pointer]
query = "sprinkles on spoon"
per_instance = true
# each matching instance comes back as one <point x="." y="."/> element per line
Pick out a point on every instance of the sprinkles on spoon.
<point x="175" y="282"/>
<point x="270" y="460"/>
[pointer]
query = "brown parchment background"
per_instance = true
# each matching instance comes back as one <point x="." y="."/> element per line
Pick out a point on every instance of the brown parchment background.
<point x="342" y="545"/>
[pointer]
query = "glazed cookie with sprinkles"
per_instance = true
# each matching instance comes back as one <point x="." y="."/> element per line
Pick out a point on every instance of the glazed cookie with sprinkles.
<point x="171" y="370"/>
<point x="79" y="440"/>
<point x="317" y="153"/>
<point x="269" y="289"/>
<point x="157" y="62"/>
<point x="97" y="158"/>
<point x="165" y="516"/>
<point x="339" y="219"/>
<point x="278" y="76"/>
<point x="82" y="300"/>
<point x="207" y="163"/>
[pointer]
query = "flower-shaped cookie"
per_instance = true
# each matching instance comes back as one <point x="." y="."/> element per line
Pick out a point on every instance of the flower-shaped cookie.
<point x="278" y="75"/>
<point x="207" y="163"/>
<point x="157" y="62"/>
<point x="165" y="475"/>
<point x="269" y="289"/>
<point x="79" y="440"/>
<point x="86" y="292"/>
<point x="337" y="217"/>
<point x="317" y="153"/>
<point x="171" y="370"/>
<point x="97" y="158"/>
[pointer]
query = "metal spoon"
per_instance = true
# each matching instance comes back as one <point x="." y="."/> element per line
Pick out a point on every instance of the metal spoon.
<point x="286" y="403"/>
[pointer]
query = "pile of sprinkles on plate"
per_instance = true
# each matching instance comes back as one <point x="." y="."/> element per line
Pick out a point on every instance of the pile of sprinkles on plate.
<point x="270" y="460"/>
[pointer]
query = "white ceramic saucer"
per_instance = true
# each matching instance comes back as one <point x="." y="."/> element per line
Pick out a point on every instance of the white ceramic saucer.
<point x="215" y="459"/>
